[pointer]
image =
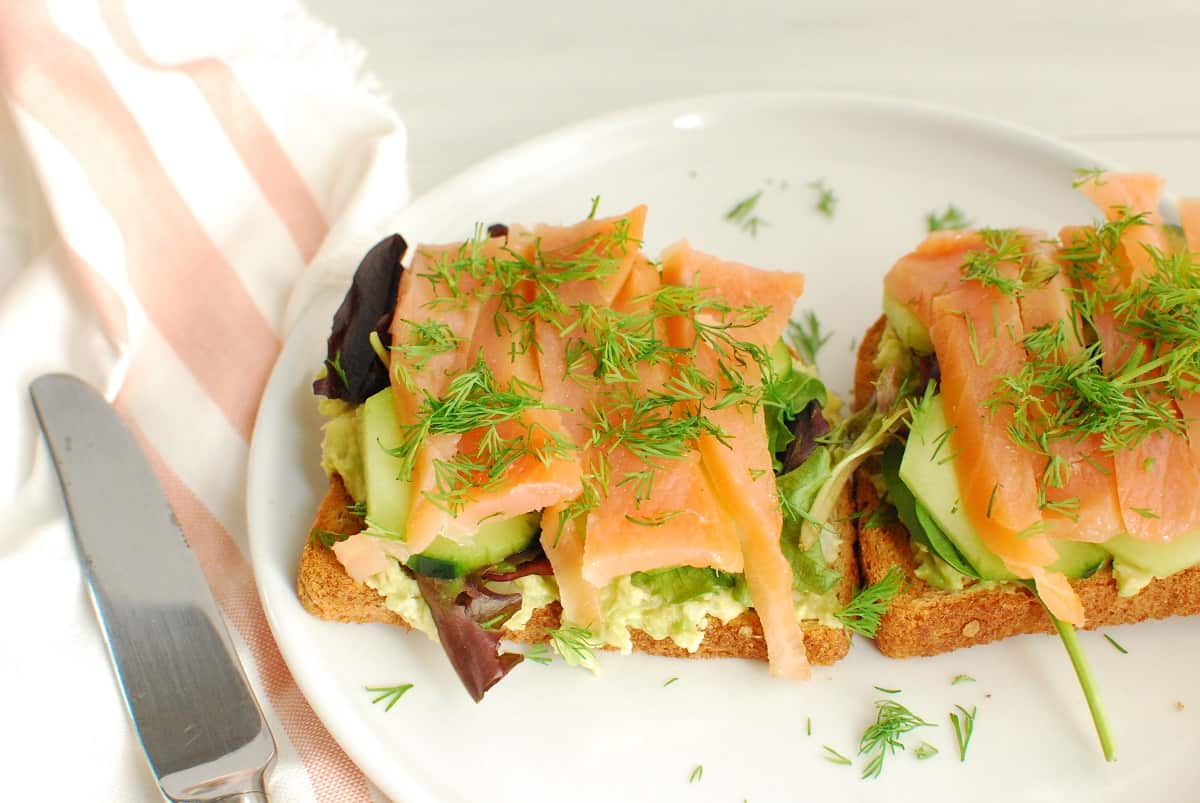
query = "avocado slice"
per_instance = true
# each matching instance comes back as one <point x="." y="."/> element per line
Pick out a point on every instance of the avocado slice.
<point x="389" y="499"/>
<point x="1157" y="559"/>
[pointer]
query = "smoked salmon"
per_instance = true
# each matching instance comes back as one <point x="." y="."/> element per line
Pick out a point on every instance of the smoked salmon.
<point x="743" y="473"/>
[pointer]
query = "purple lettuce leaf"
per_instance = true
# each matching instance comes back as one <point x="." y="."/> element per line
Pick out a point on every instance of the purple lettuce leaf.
<point x="353" y="369"/>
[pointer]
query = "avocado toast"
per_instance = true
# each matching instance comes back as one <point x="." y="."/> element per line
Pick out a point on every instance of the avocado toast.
<point x="1048" y="478"/>
<point x="541" y="435"/>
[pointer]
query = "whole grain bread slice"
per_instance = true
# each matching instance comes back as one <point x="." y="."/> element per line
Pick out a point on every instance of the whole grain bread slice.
<point x="925" y="620"/>
<point x="328" y="592"/>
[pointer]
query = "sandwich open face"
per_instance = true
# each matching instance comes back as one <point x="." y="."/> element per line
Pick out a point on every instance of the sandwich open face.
<point x="1051" y="461"/>
<point x="539" y="435"/>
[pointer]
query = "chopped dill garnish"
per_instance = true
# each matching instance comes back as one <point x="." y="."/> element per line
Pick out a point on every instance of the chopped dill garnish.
<point x="892" y="720"/>
<point x="826" y="200"/>
<point x="952" y="218"/>
<point x="959" y="679"/>
<point x="539" y="654"/>
<point x="963" y="729"/>
<point x="806" y="337"/>
<point x="336" y="365"/>
<point x="670" y="681"/>
<point x="595" y="206"/>
<point x="653" y="521"/>
<point x="864" y="613"/>
<point x="1117" y="646"/>
<point x="808" y="726"/>
<point x="697" y="774"/>
<point x="887" y="691"/>
<point x="357" y="509"/>
<point x="390" y="694"/>
<point x="327" y="538"/>
<point x="1087" y="175"/>
<point x="925" y="750"/>
<point x="743" y="214"/>
<point x="834" y="757"/>
<point x="490" y="624"/>
<point x="575" y="645"/>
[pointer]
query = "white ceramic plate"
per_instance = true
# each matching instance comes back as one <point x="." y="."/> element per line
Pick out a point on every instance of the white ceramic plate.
<point x="556" y="733"/>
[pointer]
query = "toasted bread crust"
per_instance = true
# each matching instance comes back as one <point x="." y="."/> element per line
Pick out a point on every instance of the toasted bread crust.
<point x="924" y="620"/>
<point x="328" y="592"/>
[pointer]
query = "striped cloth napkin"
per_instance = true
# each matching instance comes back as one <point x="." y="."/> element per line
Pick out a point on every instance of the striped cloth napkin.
<point x="169" y="171"/>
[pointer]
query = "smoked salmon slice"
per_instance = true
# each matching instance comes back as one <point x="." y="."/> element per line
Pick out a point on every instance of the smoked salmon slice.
<point x="1123" y="195"/>
<point x="610" y="246"/>
<point x="547" y="471"/>
<point x="563" y="542"/>
<point x="741" y="468"/>
<point x="1156" y="478"/>
<point x="427" y="303"/>
<point x="977" y="335"/>
<point x="933" y="268"/>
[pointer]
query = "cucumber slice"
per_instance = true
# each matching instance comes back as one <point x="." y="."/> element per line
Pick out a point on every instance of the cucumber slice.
<point x="389" y="498"/>
<point x="494" y="542"/>
<point x="930" y="475"/>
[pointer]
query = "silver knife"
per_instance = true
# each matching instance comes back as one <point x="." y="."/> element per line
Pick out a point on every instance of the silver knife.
<point x="202" y="730"/>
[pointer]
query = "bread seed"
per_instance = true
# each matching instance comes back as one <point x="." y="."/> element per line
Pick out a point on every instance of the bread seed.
<point x="971" y="628"/>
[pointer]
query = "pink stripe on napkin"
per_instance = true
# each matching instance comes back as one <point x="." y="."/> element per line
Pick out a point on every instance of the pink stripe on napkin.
<point x="186" y="285"/>
<point x="258" y="147"/>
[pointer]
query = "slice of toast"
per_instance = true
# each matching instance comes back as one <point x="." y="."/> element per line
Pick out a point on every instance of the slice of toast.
<point x="924" y="620"/>
<point x="328" y="592"/>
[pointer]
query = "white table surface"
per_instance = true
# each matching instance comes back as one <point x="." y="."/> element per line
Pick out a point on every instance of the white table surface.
<point x="472" y="77"/>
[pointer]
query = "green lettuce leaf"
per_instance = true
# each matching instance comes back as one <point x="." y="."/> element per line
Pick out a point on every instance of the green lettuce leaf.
<point x="810" y="571"/>
<point x="785" y="395"/>
<point x="683" y="583"/>
<point x="916" y="518"/>
<point x="797" y="491"/>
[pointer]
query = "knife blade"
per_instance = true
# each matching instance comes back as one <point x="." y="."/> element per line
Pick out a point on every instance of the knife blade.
<point x="195" y="714"/>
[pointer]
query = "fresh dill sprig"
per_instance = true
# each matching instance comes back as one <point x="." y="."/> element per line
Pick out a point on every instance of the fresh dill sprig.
<point x="826" y="201"/>
<point x="1116" y="645"/>
<point x="336" y="365"/>
<point x="697" y="774"/>
<point x="864" y="613"/>
<point x="834" y="757"/>
<point x="887" y="691"/>
<point x="743" y="214"/>
<point x="806" y="337"/>
<point x="1087" y="175"/>
<point x="656" y="520"/>
<point x="539" y="654"/>
<point x="327" y="538"/>
<point x="575" y="645"/>
<point x="998" y="264"/>
<point x="959" y="679"/>
<point x="952" y="218"/>
<point x="892" y="720"/>
<point x="963" y="729"/>
<point x="925" y="750"/>
<point x="670" y="681"/>
<point x="390" y="694"/>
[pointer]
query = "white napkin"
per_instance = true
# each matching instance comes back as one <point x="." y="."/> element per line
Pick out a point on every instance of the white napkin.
<point x="168" y="172"/>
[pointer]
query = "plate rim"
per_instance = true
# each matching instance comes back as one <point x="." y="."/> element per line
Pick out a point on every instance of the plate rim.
<point x="368" y="756"/>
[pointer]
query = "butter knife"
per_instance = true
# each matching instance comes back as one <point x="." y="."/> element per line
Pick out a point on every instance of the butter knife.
<point x="203" y="732"/>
